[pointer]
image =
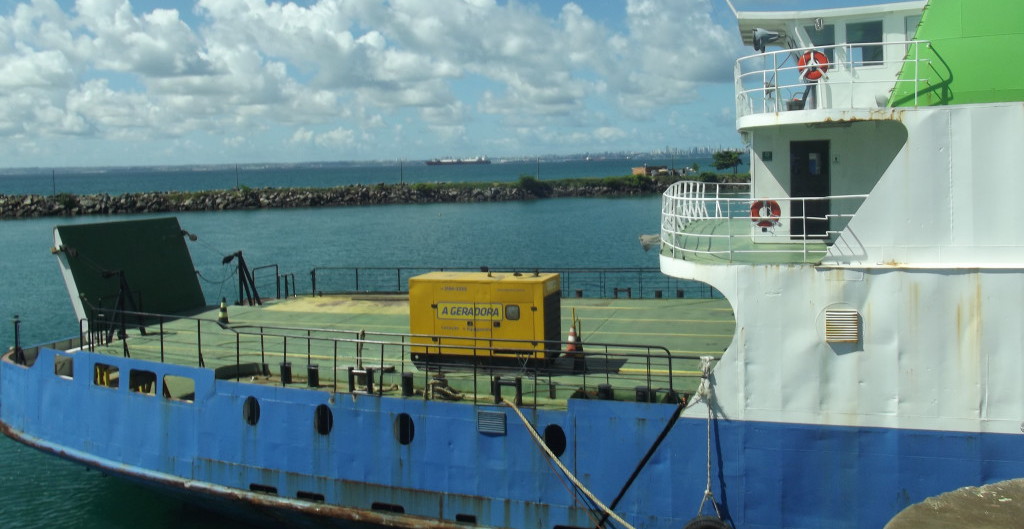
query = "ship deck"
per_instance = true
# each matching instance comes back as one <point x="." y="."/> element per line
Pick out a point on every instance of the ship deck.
<point x="627" y="343"/>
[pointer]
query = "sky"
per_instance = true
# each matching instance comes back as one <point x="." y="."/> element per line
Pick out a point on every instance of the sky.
<point x="161" y="82"/>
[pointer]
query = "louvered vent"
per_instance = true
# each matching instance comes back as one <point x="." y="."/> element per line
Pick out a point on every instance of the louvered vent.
<point x="842" y="326"/>
<point x="490" y="422"/>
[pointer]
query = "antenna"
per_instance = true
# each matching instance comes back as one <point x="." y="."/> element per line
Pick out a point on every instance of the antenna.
<point x="734" y="13"/>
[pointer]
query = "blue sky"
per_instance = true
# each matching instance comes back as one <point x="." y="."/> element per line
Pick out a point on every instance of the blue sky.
<point x="156" y="82"/>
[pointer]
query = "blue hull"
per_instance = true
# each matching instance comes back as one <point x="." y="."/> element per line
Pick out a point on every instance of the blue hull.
<point x="764" y="475"/>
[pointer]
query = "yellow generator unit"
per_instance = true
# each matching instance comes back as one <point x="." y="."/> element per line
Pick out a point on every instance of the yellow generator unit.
<point x="492" y="317"/>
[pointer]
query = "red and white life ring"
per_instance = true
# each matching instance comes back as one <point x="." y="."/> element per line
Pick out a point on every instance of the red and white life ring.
<point x="812" y="65"/>
<point x="765" y="213"/>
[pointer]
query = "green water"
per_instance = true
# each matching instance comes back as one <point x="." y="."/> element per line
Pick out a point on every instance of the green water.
<point x="43" y="491"/>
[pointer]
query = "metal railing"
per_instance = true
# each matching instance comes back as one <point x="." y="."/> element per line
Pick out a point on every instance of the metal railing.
<point x="641" y="283"/>
<point x="776" y="82"/>
<point x="723" y="222"/>
<point x="385" y="359"/>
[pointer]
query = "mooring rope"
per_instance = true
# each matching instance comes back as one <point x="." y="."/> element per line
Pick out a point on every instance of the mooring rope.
<point x="704" y="391"/>
<point x="579" y="486"/>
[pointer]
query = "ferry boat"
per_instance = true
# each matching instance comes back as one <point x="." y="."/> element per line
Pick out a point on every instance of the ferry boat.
<point x="459" y="161"/>
<point x="869" y="280"/>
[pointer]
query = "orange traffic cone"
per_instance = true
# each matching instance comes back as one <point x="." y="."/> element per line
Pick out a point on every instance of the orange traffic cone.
<point x="570" y="346"/>
<point x="222" y="314"/>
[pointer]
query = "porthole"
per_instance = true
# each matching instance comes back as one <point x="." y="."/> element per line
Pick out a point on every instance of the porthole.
<point x="251" y="411"/>
<point x="404" y="428"/>
<point x="323" y="419"/>
<point x="554" y="438"/>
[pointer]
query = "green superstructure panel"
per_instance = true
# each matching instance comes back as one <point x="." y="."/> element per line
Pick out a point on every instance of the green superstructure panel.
<point x="971" y="58"/>
<point x="152" y="254"/>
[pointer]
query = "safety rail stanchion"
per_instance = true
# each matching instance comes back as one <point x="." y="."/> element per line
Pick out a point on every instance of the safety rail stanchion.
<point x="426" y="369"/>
<point x="401" y="359"/>
<point x="162" y="343"/>
<point x="263" y="348"/>
<point x="199" y="342"/>
<point x="334" y="371"/>
<point x="381" y="391"/>
<point x="647" y="357"/>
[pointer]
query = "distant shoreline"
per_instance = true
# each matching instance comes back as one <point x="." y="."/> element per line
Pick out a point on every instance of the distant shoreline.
<point x="527" y="188"/>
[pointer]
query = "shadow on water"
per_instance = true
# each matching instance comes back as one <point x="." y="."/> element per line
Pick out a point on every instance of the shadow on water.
<point x="64" y="494"/>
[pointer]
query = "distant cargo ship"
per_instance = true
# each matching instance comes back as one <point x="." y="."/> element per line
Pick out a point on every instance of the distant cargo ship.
<point x="458" y="161"/>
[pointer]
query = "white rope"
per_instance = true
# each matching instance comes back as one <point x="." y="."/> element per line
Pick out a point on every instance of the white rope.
<point x="704" y="391"/>
<point x="568" y="474"/>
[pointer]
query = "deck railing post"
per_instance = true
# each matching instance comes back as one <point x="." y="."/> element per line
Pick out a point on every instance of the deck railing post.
<point x="199" y="342"/>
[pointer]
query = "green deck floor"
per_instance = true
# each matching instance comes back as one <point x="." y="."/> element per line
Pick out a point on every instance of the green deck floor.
<point x="300" y="329"/>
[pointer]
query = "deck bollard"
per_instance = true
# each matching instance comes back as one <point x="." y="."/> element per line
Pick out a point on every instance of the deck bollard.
<point x="286" y="373"/>
<point x="517" y="383"/>
<point x="407" y="387"/>
<point x="313" y="375"/>
<point x="643" y="394"/>
<point x="605" y="392"/>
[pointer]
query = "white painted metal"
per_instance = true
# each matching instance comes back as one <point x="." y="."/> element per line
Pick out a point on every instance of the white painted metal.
<point x="931" y="260"/>
<point x="772" y="82"/>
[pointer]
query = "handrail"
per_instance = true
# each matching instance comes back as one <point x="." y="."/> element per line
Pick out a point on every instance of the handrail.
<point x="697" y="222"/>
<point x="658" y="373"/>
<point x="772" y="85"/>
<point x="636" y="282"/>
<point x="277" y="276"/>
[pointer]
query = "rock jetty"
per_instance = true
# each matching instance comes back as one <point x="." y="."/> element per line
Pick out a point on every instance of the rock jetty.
<point x="65" y="205"/>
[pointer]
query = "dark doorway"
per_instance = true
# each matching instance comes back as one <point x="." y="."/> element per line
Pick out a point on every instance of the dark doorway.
<point x="809" y="177"/>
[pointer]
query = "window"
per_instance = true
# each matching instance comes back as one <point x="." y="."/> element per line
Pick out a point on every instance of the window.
<point x="105" y="375"/>
<point x="63" y="366"/>
<point x="251" y="411"/>
<point x="179" y="388"/>
<point x="142" y="382"/>
<point x="404" y="428"/>
<point x="910" y="26"/>
<point x="869" y="33"/>
<point x="826" y="36"/>
<point x="323" y="419"/>
<point x="511" y="312"/>
<point x="554" y="438"/>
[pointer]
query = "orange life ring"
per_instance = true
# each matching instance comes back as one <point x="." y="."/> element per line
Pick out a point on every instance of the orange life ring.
<point x="765" y="213"/>
<point x="812" y="65"/>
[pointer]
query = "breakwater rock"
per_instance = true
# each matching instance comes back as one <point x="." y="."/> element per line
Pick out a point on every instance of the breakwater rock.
<point x="64" y="204"/>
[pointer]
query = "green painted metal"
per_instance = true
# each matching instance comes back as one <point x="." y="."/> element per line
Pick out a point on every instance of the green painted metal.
<point x="152" y="255"/>
<point x="972" y="56"/>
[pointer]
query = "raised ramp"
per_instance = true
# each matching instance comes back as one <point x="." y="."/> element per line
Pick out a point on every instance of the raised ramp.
<point x="149" y="255"/>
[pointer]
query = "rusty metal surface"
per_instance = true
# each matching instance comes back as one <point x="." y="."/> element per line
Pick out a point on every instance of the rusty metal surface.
<point x="269" y="507"/>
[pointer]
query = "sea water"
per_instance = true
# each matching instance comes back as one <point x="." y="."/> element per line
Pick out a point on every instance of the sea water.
<point x="42" y="491"/>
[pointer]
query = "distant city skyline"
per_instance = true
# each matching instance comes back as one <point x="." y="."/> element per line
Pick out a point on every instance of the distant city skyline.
<point x="160" y="82"/>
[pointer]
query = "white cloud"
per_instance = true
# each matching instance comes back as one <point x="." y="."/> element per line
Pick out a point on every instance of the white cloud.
<point x="367" y="72"/>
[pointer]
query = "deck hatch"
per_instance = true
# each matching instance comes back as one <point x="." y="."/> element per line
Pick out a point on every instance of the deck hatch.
<point x="842" y="326"/>
<point x="492" y="422"/>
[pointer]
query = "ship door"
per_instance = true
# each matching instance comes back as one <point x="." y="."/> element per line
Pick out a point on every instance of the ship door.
<point x="809" y="178"/>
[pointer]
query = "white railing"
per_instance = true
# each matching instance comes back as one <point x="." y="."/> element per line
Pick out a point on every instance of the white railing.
<point x="775" y="82"/>
<point x="722" y="222"/>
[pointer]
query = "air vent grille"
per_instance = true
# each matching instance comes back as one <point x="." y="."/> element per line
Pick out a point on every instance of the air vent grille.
<point x="842" y="326"/>
<point x="492" y="422"/>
